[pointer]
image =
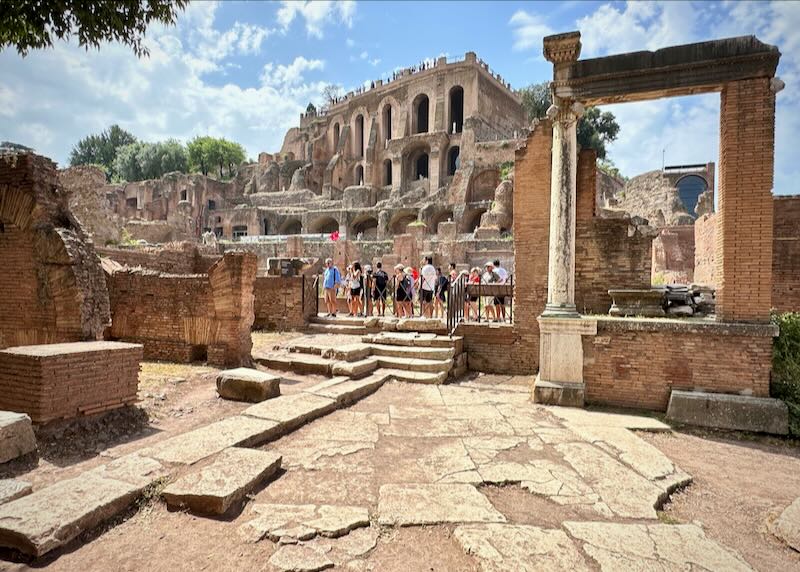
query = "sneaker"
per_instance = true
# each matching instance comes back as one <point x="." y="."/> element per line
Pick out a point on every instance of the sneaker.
<point x="333" y="315"/>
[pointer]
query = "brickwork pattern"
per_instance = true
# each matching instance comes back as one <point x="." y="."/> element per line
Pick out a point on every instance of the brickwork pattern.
<point x="744" y="237"/>
<point x="705" y="250"/>
<point x="673" y="255"/>
<point x="281" y="303"/>
<point x="183" y="259"/>
<point x="627" y="367"/>
<point x="62" y="381"/>
<point x="487" y="349"/>
<point x="786" y="254"/>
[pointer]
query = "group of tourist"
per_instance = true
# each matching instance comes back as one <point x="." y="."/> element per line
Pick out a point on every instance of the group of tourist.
<point x="428" y="285"/>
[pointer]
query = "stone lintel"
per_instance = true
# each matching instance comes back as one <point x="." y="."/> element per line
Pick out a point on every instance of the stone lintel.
<point x="705" y="326"/>
<point x="577" y="325"/>
<point x="725" y="411"/>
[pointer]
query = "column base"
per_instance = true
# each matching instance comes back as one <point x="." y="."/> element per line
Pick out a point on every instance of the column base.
<point x="560" y="311"/>
<point x="563" y="393"/>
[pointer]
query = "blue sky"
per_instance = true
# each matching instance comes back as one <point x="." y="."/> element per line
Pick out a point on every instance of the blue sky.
<point x="245" y="71"/>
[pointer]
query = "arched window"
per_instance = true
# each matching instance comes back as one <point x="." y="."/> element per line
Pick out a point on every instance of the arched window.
<point x="359" y="178"/>
<point x="421" y="112"/>
<point x="335" y="137"/>
<point x="421" y="167"/>
<point x="456" y="123"/>
<point x="690" y="188"/>
<point x="453" y="161"/>
<point x="387" y="172"/>
<point x="366" y="228"/>
<point x="324" y="225"/>
<point x="360" y="136"/>
<point x="387" y="122"/>
<point x="291" y="226"/>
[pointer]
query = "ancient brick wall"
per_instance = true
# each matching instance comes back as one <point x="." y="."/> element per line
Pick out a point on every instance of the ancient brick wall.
<point x="786" y="254"/>
<point x="607" y="254"/>
<point x="492" y="349"/>
<point x="673" y="255"/>
<point x="187" y="317"/>
<point x="180" y="258"/>
<point x="637" y="363"/>
<point x="61" y="381"/>
<point x="705" y="250"/>
<point x="283" y="303"/>
<point x="744" y="232"/>
<point x="51" y="281"/>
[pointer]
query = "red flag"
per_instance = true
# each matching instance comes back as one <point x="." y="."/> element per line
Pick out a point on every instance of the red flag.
<point x="335" y="235"/>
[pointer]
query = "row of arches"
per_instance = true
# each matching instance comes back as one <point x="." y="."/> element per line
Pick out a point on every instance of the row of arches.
<point x="420" y="119"/>
<point x="418" y="166"/>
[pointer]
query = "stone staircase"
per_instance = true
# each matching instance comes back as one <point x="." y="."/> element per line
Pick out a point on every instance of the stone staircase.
<point x="407" y="356"/>
<point x="358" y="326"/>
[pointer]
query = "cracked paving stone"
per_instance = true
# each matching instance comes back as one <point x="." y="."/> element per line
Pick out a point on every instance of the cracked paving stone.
<point x="622" y="547"/>
<point x="299" y="558"/>
<point x="419" y="504"/>
<point x="519" y="548"/>
<point x="274" y="521"/>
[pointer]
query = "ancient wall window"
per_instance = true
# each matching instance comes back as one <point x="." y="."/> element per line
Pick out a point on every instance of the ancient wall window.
<point x="265" y="226"/>
<point x="456" y="123"/>
<point x="132" y="203"/>
<point x="690" y="188"/>
<point x="360" y="136"/>
<point x="291" y="226"/>
<point x="453" y="160"/>
<point x="218" y="232"/>
<point x="421" y="167"/>
<point x="366" y="227"/>
<point x="212" y="205"/>
<point x="335" y="136"/>
<point x="359" y="175"/>
<point x="421" y="113"/>
<point x="184" y="195"/>
<point x="239" y="231"/>
<point x="324" y="225"/>
<point x="387" y="122"/>
<point x="387" y="172"/>
<point x="219" y="219"/>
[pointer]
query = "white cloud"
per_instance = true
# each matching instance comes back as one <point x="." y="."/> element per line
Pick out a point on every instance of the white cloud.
<point x="350" y="42"/>
<point x="316" y="14"/>
<point x="529" y="29"/>
<point x="52" y="98"/>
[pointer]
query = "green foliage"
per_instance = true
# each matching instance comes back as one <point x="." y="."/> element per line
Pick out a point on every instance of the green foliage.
<point x="658" y="279"/>
<point x="211" y="153"/>
<point x="101" y="149"/>
<point x="126" y="239"/>
<point x="33" y="24"/>
<point x="141" y="161"/>
<point x="609" y="168"/>
<point x="505" y="169"/>
<point x="786" y="366"/>
<point x="311" y="109"/>
<point x="595" y="129"/>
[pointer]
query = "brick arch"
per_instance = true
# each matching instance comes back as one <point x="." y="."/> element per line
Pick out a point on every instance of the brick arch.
<point x="483" y="185"/>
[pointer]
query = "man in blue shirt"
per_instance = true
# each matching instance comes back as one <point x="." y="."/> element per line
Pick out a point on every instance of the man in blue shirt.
<point x="330" y="281"/>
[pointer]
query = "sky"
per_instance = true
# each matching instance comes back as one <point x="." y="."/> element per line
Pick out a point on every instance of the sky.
<point x="246" y="71"/>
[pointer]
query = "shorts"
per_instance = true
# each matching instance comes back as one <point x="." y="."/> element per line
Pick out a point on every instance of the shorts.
<point x="426" y="295"/>
<point x="378" y="294"/>
<point x="471" y="298"/>
<point x="402" y="296"/>
<point x="355" y="292"/>
<point x="499" y="300"/>
<point x="442" y="295"/>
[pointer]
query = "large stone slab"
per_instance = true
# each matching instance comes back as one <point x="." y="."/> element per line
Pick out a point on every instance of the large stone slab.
<point x="420" y="504"/>
<point x="739" y="412"/>
<point x="302" y="521"/>
<point x="355" y="369"/>
<point x="653" y="547"/>
<point x="51" y="517"/>
<point x="519" y="548"/>
<point x="787" y="526"/>
<point x="299" y="558"/>
<point x="133" y="469"/>
<point x="12" y="489"/>
<point x="625" y="492"/>
<point x="224" y="483"/>
<point x="247" y="384"/>
<point x="350" y="391"/>
<point x="188" y="448"/>
<point x="605" y="419"/>
<point x="16" y="435"/>
<point x="292" y="411"/>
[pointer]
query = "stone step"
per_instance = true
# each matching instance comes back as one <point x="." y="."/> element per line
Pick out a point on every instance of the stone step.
<point x="347" y="352"/>
<point x="337" y="329"/>
<point x="411" y="351"/>
<point x="352" y="390"/>
<point x="296" y="362"/>
<point x="355" y="369"/>
<point x="414" y="376"/>
<point x="416" y="364"/>
<point x="340" y="319"/>
<point x="224" y="483"/>
<point x="414" y="339"/>
<point x="291" y="411"/>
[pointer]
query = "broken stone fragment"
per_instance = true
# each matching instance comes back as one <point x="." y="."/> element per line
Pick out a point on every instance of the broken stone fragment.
<point x="246" y="384"/>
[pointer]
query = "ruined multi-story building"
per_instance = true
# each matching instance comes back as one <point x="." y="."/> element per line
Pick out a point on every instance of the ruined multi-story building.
<point x="426" y="147"/>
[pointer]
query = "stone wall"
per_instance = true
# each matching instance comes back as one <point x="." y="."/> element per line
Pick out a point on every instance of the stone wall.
<point x="51" y="281"/>
<point x="184" y="318"/>
<point x="283" y="303"/>
<point x="638" y="362"/>
<point x="705" y="250"/>
<point x="62" y="381"/>
<point x="673" y="255"/>
<point x="174" y="258"/>
<point x="86" y="185"/>
<point x="786" y="254"/>
<point x="487" y="348"/>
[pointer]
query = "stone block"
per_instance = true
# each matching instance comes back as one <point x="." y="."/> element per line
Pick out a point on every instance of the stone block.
<point x="787" y="526"/>
<point x="350" y="391"/>
<point x="12" y="489"/>
<point x="292" y="411"/>
<point x="565" y="394"/>
<point x="16" y="435"/>
<point x="355" y="369"/>
<point x="246" y="384"/>
<point x="217" y="487"/>
<point x="724" y="411"/>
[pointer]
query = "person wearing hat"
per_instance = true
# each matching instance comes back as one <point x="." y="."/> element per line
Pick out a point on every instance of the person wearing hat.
<point x="490" y="277"/>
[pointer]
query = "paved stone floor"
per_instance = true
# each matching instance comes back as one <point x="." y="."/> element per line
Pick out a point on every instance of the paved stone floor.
<point x="438" y="478"/>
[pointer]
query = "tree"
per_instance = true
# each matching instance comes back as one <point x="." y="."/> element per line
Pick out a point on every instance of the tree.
<point x="140" y="161"/>
<point x="126" y="164"/>
<point x="198" y="149"/>
<point x="331" y="93"/>
<point x="311" y="109"/>
<point x="595" y="128"/>
<point x="207" y="153"/>
<point x="233" y="154"/>
<point x="101" y="149"/>
<point x="32" y="24"/>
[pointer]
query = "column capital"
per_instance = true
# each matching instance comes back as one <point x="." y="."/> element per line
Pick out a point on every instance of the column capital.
<point x="565" y="111"/>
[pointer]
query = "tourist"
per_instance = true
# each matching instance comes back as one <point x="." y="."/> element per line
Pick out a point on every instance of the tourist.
<point x="440" y="295"/>
<point x="331" y="279"/>
<point x="380" y="285"/>
<point x="500" y="301"/>
<point x="402" y="294"/>
<point x="356" y="288"/>
<point x="412" y="274"/>
<point x="453" y="273"/>
<point x="428" y="280"/>
<point x="346" y="287"/>
<point x="471" y="298"/>
<point x="490" y="277"/>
